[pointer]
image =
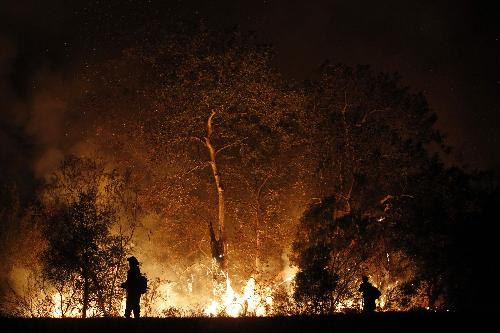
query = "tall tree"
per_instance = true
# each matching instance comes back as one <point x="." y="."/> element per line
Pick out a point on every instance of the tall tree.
<point x="226" y="98"/>
<point x="369" y="140"/>
<point x="219" y="131"/>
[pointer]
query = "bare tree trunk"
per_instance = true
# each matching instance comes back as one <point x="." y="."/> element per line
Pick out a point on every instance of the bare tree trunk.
<point x="348" y="176"/>
<point x="61" y="301"/>
<point x="217" y="248"/>
<point x="100" y="296"/>
<point x="432" y="293"/>
<point x="217" y="236"/>
<point x="258" y="222"/>
<point x="257" y="238"/>
<point x="86" y="294"/>
<point x="113" y="285"/>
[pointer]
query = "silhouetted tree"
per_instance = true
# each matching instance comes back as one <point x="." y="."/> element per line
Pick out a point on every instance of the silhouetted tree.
<point x="448" y="228"/>
<point x="316" y="281"/>
<point x="85" y="253"/>
<point x="369" y="139"/>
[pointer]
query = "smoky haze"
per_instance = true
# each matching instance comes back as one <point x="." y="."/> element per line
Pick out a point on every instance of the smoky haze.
<point x="449" y="50"/>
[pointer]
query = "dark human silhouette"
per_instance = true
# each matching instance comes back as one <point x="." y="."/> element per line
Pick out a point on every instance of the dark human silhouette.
<point x="133" y="288"/>
<point x="370" y="294"/>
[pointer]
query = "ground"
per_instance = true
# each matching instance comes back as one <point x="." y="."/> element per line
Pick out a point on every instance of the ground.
<point x="379" y="322"/>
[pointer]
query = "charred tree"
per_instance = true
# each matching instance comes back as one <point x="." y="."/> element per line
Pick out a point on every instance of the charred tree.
<point x="217" y="246"/>
<point x="218" y="238"/>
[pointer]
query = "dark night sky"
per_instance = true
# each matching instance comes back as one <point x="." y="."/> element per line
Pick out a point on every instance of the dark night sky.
<point x="450" y="50"/>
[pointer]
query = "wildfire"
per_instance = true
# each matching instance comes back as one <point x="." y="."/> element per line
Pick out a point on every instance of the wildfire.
<point x="62" y="306"/>
<point x="57" y="310"/>
<point x="255" y="300"/>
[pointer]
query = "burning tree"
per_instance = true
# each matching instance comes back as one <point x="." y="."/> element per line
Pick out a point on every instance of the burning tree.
<point x="226" y="111"/>
<point x="219" y="131"/>
<point x="85" y="254"/>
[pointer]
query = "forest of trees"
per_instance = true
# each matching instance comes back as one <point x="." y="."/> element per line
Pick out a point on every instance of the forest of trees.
<point x="200" y="143"/>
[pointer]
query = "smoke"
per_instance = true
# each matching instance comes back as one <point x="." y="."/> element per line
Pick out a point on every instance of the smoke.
<point x="36" y="131"/>
<point x="35" y="118"/>
<point x="49" y="123"/>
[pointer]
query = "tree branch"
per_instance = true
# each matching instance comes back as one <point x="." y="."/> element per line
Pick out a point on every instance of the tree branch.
<point x="195" y="138"/>
<point x="209" y="125"/>
<point x="196" y="167"/>
<point x="230" y="145"/>
<point x="368" y="114"/>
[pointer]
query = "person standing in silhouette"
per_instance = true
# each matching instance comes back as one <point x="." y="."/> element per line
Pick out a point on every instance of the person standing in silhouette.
<point x="132" y="286"/>
<point x="370" y="294"/>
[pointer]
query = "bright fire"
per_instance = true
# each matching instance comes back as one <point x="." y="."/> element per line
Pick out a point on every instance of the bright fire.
<point x="254" y="301"/>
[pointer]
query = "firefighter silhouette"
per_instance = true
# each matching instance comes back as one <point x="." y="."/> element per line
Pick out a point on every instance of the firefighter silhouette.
<point x="134" y="287"/>
<point x="370" y="294"/>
